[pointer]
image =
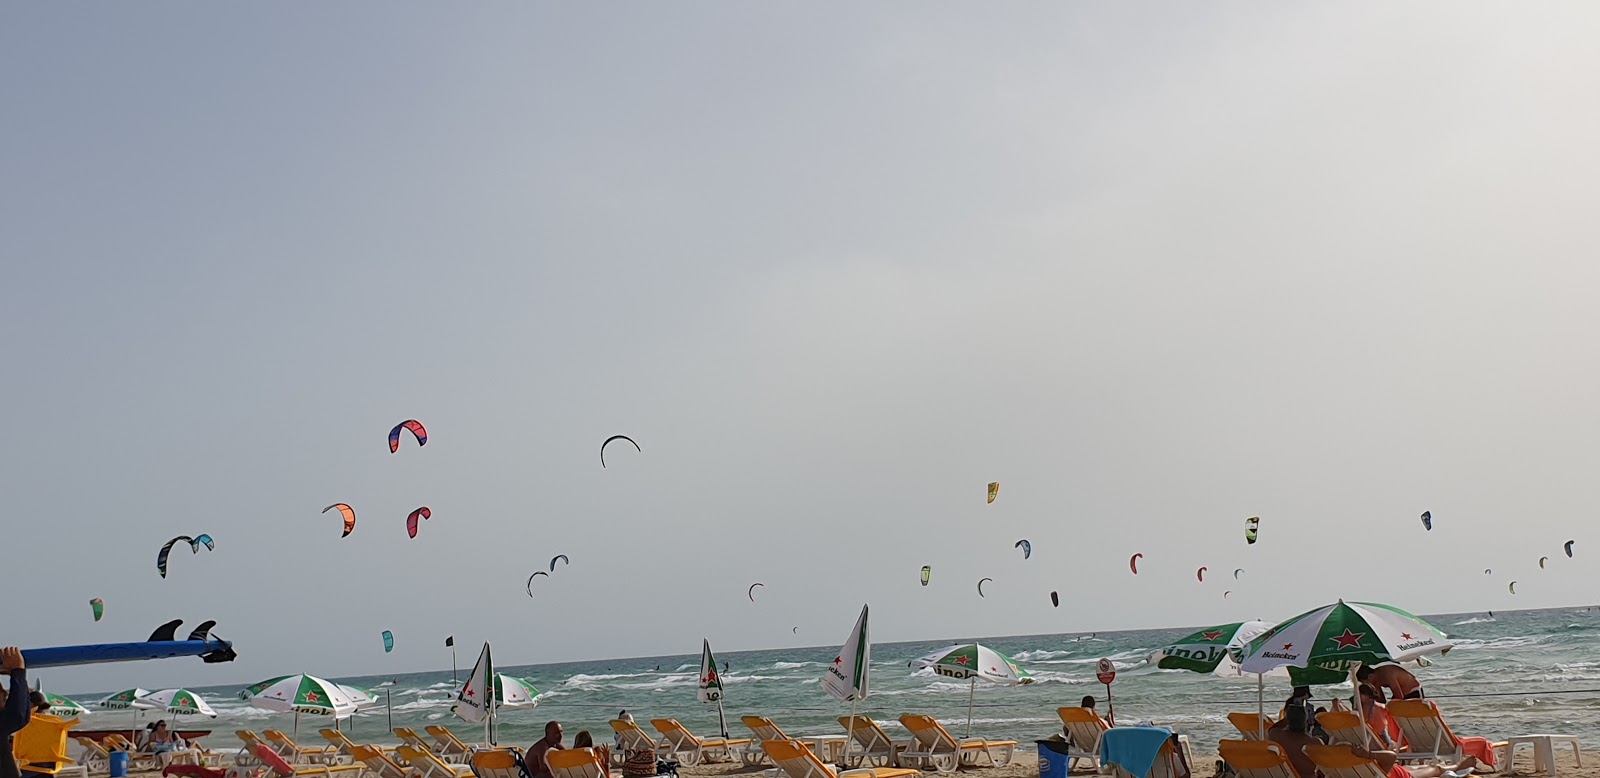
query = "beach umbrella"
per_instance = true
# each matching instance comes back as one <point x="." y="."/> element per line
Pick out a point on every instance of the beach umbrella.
<point x="359" y="697"/>
<point x="123" y="700"/>
<point x="512" y="692"/>
<point x="63" y="707"/>
<point x="1210" y="650"/>
<point x="179" y="702"/>
<point x="1326" y="644"/>
<point x="971" y="662"/>
<point x="300" y="694"/>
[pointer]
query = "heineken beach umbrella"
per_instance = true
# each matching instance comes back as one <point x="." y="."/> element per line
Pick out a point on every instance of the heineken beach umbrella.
<point x="361" y="698"/>
<point x="971" y="662"/>
<point x="124" y="699"/>
<point x="63" y="707"/>
<point x="1342" y="636"/>
<point x="512" y="692"/>
<point x="1208" y="651"/>
<point x="300" y="694"/>
<point x="180" y="702"/>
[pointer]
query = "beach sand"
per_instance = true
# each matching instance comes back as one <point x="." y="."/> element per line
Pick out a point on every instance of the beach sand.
<point x="1027" y="766"/>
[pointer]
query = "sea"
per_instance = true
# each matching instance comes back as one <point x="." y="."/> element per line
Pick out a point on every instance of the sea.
<point x="1511" y="672"/>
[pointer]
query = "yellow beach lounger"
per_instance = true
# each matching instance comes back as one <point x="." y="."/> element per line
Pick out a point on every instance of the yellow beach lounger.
<point x="445" y="742"/>
<point x="1256" y="759"/>
<point x="344" y="745"/>
<point x="633" y="738"/>
<point x="797" y="761"/>
<point x="427" y="764"/>
<point x="41" y="748"/>
<point x="935" y="747"/>
<point x="278" y="767"/>
<point x="874" y="745"/>
<point x="1250" y="725"/>
<point x="1083" y="728"/>
<point x="378" y="763"/>
<point x="1344" y="727"/>
<point x="409" y="737"/>
<point x="575" y="763"/>
<point x="297" y="754"/>
<point x="764" y="729"/>
<point x="1427" y="736"/>
<point x="1338" y="762"/>
<point x="95" y="758"/>
<point x="496" y="762"/>
<point x="690" y="750"/>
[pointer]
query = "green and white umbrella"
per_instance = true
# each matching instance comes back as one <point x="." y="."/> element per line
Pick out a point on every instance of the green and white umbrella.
<point x="124" y="699"/>
<point x="179" y="702"/>
<point x="1331" y="642"/>
<point x="512" y="692"/>
<point x="1210" y="650"/>
<point x="300" y="694"/>
<point x="971" y="662"/>
<point x="63" y="707"/>
<point x="361" y="698"/>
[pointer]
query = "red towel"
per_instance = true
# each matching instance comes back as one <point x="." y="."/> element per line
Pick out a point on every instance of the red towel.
<point x="1480" y="748"/>
<point x="192" y="771"/>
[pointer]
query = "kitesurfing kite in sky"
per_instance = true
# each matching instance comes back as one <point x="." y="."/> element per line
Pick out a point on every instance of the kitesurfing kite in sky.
<point x="1133" y="563"/>
<point x="349" y="515"/>
<point x="558" y="558"/>
<point x="388" y="641"/>
<point x="1251" y="525"/>
<point x="1200" y="575"/>
<point x="980" y="585"/>
<point x="415" y="517"/>
<point x="417" y="431"/>
<point x="1568" y="547"/>
<point x="530" y="580"/>
<point x="1027" y="548"/>
<point x="99" y="607"/>
<point x="194" y="547"/>
<point x="608" y="442"/>
<point x="1427" y="520"/>
<point x="927" y="573"/>
<point x="751" y="592"/>
<point x="994" y="491"/>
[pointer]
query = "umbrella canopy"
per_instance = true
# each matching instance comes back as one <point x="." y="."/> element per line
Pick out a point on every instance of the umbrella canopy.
<point x="512" y="692"/>
<point x="300" y="694"/>
<point x="361" y="698"/>
<point x="180" y="702"/>
<point x="123" y="699"/>
<point x="1211" y="650"/>
<point x="1337" y="638"/>
<point x="61" y="706"/>
<point x="974" y="660"/>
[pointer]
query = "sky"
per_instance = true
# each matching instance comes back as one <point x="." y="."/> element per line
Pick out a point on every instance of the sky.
<point x="835" y="267"/>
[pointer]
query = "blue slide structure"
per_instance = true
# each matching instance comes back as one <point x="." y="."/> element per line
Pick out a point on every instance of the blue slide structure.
<point x="163" y="644"/>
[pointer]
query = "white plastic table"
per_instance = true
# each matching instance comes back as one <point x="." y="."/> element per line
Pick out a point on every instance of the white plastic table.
<point x="1544" y="751"/>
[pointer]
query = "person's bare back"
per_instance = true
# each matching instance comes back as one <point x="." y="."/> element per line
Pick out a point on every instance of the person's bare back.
<point x="1402" y="685"/>
<point x="1294" y="744"/>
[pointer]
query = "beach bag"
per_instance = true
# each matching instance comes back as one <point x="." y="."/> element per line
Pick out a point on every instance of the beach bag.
<point x="639" y="764"/>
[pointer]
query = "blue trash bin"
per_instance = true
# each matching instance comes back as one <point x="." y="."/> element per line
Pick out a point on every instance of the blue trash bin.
<point x="1053" y="761"/>
<point x="119" y="764"/>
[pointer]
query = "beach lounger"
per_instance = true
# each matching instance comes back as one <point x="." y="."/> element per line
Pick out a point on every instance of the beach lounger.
<point x="1338" y="762"/>
<point x="633" y="738"/>
<point x="1250" y="725"/>
<point x="574" y="763"/>
<point x="1083" y="728"/>
<point x="41" y="748"/>
<point x="798" y="761"/>
<point x="498" y="763"/>
<point x="1169" y="760"/>
<point x="344" y="745"/>
<point x="95" y="758"/>
<point x="1428" y="738"/>
<point x="1345" y="727"/>
<point x="875" y="746"/>
<point x="1256" y="759"/>
<point x="278" y="767"/>
<point x="691" y="750"/>
<point x="445" y="742"/>
<point x="378" y="763"/>
<point x="764" y="729"/>
<point x="297" y="754"/>
<point x="409" y="737"/>
<point x="933" y="746"/>
<point x="427" y="764"/>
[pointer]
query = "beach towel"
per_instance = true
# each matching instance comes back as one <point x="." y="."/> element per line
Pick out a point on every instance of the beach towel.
<point x="1479" y="747"/>
<point x="192" y="771"/>
<point x="1133" y="748"/>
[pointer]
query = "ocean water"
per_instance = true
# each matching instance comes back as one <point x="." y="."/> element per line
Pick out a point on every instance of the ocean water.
<point x="1517" y="672"/>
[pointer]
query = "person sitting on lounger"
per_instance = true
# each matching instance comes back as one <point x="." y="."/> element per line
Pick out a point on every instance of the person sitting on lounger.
<point x="537" y="766"/>
<point x="1402" y="685"/>
<point x="1377" y="714"/>
<point x="1292" y="735"/>
<point x="162" y="740"/>
<point x="1389" y="762"/>
<point x="585" y="740"/>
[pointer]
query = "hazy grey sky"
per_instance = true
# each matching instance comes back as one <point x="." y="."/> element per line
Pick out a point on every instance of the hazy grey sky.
<point x="1156" y="268"/>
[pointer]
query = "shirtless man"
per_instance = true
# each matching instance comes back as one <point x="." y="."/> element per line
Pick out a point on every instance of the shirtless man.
<point x="1292" y="735"/>
<point x="535" y="761"/>
<point x="1402" y="685"/>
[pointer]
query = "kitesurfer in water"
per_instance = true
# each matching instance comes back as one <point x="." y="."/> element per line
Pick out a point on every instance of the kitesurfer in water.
<point x="16" y="710"/>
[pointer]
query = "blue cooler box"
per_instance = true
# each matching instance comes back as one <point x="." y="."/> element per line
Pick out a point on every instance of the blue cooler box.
<point x="119" y="764"/>
<point x="1053" y="761"/>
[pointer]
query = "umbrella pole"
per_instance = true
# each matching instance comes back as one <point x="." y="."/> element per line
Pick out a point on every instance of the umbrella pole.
<point x="972" y="691"/>
<point x="1261" y="705"/>
<point x="850" y="737"/>
<point x="1361" y="710"/>
<point x="297" y="725"/>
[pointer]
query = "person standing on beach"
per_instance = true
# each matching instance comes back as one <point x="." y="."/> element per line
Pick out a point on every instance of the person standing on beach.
<point x="537" y="766"/>
<point x="16" y="709"/>
<point x="1402" y="685"/>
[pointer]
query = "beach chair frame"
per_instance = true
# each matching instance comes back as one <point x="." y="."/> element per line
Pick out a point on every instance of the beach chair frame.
<point x="1256" y="759"/>
<point x="1338" y="761"/>
<point x="934" y="747"/>
<point x="446" y="743"/>
<point x="426" y="764"/>
<point x="1083" y="729"/>
<point x="576" y="763"/>
<point x="877" y="748"/>
<point x="795" y="760"/>
<point x="1428" y="738"/>
<point x="690" y="750"/>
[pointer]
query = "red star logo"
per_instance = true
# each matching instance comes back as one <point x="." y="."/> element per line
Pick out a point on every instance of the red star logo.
<point x="838" y="660"/>
<point x="961" y="660"/>
<point x="1348" y="639"/>
<point x="471" y="692"/>
<point x="1213" y="635"/>
<point x="183" y="703"/>
<point x="1406" y="636"/>
<point x="313" y="697"/>
<point x="1287" y="646"/>
<point x="710" y="679"/>
<point x="994" y="670"/>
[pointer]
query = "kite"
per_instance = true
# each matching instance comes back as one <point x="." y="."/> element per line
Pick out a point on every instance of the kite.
<point x="161" y="558"/>
<point x="994" y="491"/>
<point x="99" y="607"/>
<point x="1200" y="575"/>
<point x="796" y="630"/>
<point x="530" y="580"/>
<point x="1133" y="563"/>
<point x="1236" y="573"/>
<point x="1542" y="560"/>
<point x="1027" y="548"/>
<point x="980" y="585"/>
<point x="417" y="430"/>
<point x="202" y="540"/>
<point x="562" y="557"/>
<point x="616" y="437"/>
<point x="927" y="572"/>
<point x="1568" y="547"/>
<point x="349" y="514"/>
<point x="1225" y="594"/>
<point x="1055" y="599"/>
<point x="1250" y="526"/>
<point x="1513" y="587"/>
<point x="1487" y="571"/>
<point x="388" y="641"/>
<point x="751" y="592"/>
<point x="416" y="515"/>
<point x="1427" y="520"/>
